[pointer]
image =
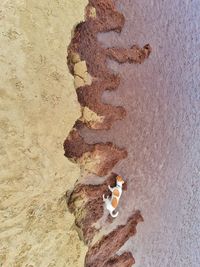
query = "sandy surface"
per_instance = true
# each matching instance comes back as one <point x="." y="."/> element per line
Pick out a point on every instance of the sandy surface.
<point x="38" y="108"/>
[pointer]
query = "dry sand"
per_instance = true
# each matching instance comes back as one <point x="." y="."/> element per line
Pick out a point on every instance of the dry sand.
<point x="38" y="108"/>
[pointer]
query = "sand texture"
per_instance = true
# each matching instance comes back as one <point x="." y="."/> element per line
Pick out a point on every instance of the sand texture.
<point x="38" y="108"/>
<point x="150" y="111"/>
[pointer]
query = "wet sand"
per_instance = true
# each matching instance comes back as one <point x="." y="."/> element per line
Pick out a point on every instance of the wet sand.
<point x="161" y="130"/>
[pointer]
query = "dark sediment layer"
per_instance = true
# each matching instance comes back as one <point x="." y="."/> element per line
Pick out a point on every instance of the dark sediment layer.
<point x="86" y="200"/>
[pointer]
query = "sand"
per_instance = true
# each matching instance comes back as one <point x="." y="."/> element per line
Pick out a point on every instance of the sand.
<point x="38" y="109"/>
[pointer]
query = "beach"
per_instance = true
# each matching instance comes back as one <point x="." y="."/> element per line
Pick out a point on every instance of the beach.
<point x="38" y="108"/>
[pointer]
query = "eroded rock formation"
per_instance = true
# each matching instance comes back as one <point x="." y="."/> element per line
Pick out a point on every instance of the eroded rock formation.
<point x="126" y="260"/>
<point x="87" y="58"/>
<point x="95" y="158"/>
<point x="101" y="254"/>
<point x="87" y="62"/>
<point x="85" y="202"/>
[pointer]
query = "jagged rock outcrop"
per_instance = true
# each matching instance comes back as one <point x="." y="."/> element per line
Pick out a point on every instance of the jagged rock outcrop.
<point x="85" y="202"/>
<point x="126" y="260"/>
<point x="94" y="158"/>
<point x="87" y="62"/>
<point x="101" y="254"/>
<point x="85" y="48"/>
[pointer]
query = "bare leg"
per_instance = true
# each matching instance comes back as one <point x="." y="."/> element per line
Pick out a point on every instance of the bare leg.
<point x="110" y="188"/>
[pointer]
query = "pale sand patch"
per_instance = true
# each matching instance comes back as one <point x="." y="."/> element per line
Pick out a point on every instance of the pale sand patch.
<point x="38" y="109"/>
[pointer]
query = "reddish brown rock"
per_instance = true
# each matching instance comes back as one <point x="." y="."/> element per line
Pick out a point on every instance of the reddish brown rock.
<point x="101" y="253"/>
<point x="133" y="55"/>
<point x="75" y="146"/>
<point x="86" y="200"/>
<point x="126" y="260"/>
<point x="85" y="47"/>
<point x="85" y="44"/>
<point x="86" y="203"/>
<point x="95" y="158"/>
